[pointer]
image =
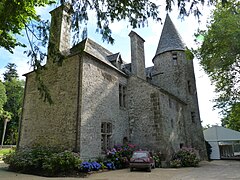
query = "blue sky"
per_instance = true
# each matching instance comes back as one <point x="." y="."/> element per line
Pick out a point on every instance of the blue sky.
<point x="151" y="34"/>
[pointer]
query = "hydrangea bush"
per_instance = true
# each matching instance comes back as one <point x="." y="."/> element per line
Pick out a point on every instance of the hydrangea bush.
<point x="185" y="157"/>
<point x="43" y="160"/>
<point x="90" y="166"/>
<point x="120" y="155"/>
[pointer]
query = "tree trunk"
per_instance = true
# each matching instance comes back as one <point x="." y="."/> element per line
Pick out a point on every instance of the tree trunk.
<point x="4" y="131"/>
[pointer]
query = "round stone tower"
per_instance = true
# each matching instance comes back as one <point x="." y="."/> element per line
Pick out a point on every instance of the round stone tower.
<point x="174" y="73"/>
<point x="170" y="62"/>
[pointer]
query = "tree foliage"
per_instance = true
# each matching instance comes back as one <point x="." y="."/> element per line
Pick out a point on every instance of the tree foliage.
<point x="232" y="117"/>
<point x="14" y="92"/>
<point x="219" y="56"/>
<point x="11" y="72"/>
<point x="3" y="97"/>
<point x="14" y="16"/>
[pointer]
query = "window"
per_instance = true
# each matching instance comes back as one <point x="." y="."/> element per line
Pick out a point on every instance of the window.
<point x="193" y="117"/>
<point x="172" y="123"/>
<point x="174" y="58"/>
<point x="189" y="87"/>
<point x="170" y="102"/>
<point x="106" y="132"/>
<point x="122" y="95"/>
<point x="125" y="141"/>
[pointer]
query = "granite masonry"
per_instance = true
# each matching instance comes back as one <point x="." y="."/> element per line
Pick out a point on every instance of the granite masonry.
<point x="99" y="100"/>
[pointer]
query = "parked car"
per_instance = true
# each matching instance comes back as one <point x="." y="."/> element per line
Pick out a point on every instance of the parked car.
<point x="142" y="160"/>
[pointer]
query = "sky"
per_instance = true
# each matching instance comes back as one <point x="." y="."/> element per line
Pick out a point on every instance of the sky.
<point x="151" y="35"/>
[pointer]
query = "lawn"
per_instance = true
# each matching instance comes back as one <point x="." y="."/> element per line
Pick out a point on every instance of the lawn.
<point x="5" y="151"/>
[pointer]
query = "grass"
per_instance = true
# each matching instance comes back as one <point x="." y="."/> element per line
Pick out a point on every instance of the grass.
<point x="5" y="151"/>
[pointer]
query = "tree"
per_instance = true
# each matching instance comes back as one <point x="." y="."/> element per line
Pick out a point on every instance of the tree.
<point x="219" y="55"/>
<point x="3" y="99"/>
<point x="17" y="15"/>
<point x="14" y="92"/>
<point x="232" y="118"/>
<point x="14" y="16"/>
<point x="6" y="116"/>
<point x="11" y="72"/>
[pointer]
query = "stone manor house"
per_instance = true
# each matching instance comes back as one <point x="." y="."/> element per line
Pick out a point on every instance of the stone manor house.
<point x="100" y="101"/>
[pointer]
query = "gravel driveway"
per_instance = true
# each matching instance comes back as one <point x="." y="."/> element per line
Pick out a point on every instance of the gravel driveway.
<point x="221" y="170"/>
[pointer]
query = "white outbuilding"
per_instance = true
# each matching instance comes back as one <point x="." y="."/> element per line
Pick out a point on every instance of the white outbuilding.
<point x="225" y="142"/>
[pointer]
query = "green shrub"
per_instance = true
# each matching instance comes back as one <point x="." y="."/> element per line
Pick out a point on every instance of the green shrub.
<point x="175" y="163"/>
<point x="48" y="161"/>
<point x="61" y="162"/>
<point x="187" y="157"/>
<point x="157" y="159"/>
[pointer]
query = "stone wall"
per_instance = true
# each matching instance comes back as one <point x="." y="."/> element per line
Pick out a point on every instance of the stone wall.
<point x="178" y="78"/>
<point x="51" y="125"/>
<point x="196" y="128"/>
<point x="100" y="103"/>
<point x="156" y="118"/>
<point x="171" y="77"/>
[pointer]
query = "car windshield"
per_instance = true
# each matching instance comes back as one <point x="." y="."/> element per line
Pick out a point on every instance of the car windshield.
<point x="140" y="155"/>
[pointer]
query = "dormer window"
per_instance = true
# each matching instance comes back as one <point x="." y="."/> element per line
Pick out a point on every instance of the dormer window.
<point x="116" y="60"/>
<point x="174" y="58"/>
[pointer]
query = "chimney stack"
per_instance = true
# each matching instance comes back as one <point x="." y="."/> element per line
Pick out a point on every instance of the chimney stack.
<point x="137" y="55"/>
<point x="60" y="30"/>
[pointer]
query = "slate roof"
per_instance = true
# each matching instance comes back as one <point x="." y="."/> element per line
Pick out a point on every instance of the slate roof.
<point x="97" y="51"/>
<point x="114" y="57"/>
<point x="170" y="39"/>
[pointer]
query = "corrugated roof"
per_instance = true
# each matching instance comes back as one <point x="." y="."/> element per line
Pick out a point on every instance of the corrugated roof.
<point x="219" y="133"/>
<point x="170" y="39"/>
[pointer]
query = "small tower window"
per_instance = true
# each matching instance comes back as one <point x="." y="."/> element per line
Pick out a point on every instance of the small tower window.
<point x="193" y="117"/>
<point x="170" y="102"/>
<point x="175" y="58"/>
<point x="189" y="87"/>
<point x="172" y="123"/>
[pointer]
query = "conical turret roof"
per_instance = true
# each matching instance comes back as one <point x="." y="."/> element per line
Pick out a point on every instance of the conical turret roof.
<point x="170" y="39"/>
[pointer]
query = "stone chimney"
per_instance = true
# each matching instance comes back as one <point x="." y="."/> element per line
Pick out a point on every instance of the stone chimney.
<point x="60" y="30"/>
<point x="137" y="55"/>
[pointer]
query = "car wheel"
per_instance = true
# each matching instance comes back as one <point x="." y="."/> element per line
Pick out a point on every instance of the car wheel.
<point x="149" y="169"/>
<point x="131" y="169"/>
